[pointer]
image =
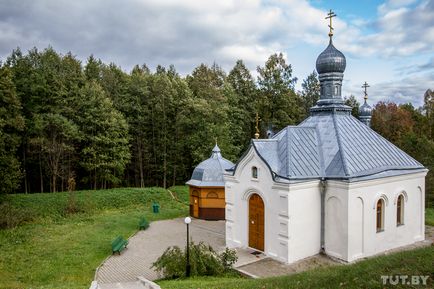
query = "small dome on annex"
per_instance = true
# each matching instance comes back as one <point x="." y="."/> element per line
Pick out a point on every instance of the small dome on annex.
<point x="210" y="172"/>
<point x="207" y="187"/>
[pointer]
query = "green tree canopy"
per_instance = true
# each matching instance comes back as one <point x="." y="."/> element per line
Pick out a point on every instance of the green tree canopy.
<point x="310" y="92"/>
<point x="278" y="102"/>
<point x="105" y="143"/>
<point x="243" y="105"/>
<point x="352" y="102"/>
<point x="11" y="124"/>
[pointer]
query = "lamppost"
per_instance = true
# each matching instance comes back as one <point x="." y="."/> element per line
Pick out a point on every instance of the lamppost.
<point x="187" y="221"/>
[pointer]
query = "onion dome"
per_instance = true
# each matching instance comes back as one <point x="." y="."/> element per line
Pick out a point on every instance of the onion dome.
<point x="209" y="173"/>
<point x="365" y="109"/>
<point x="331" y="60"/>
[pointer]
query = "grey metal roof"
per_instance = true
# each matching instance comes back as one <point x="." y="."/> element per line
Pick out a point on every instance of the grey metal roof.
<point x="332" y="145"/>
<point x="209" y="173"/>
<point x="293" y="152"/>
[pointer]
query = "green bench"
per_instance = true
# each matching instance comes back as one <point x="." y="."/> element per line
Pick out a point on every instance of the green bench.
<point x="119" y="244"/>
<point x="143" y="224"/>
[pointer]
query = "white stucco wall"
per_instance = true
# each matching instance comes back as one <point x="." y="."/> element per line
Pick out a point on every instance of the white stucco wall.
<point x="304" y="220"/>
<point x="350" y="229"/>
<point x="292" y="212"/>
<point x="238" y="190"/>
<point x="336" y="219"/>
<point x="363" y="197"/>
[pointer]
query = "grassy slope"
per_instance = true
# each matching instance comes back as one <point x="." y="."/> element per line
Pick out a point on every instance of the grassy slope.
<point x="57" y="250"/>
<point x="181" y="192"/>
<point x="364" y="274"/>
<point x="60" y="251"/>
<point x="429" y="216"/>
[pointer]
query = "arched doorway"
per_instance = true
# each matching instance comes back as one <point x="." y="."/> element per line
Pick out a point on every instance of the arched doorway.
<point x="256" y="222"/>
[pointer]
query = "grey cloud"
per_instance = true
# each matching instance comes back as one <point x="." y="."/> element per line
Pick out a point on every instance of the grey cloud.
<point x="400" y="31"/>
<point x="184" y="33"/>
<point x="412" y="69"/>
<point x="188" y="32"/>
<point x="408" y="89"/>
<point x="427" y="66"/>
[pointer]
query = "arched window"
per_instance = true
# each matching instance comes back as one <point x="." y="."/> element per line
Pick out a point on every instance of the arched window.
<point x="254" y="172"/>
<point x="400" y="211"/>
<point x="212" y="195"/>
<point x="380" y="215"/>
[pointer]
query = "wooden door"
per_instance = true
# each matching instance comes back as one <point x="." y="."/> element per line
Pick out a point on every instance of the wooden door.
<point x="195" y="207"/>
<point x="256" y="222"/>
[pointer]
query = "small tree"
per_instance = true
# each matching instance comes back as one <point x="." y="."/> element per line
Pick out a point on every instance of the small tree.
<point x="72" y="200"/>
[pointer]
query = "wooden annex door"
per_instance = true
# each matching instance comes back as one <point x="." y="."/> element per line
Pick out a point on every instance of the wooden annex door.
<point x="195" y="207"/>
<point x="256" y="222"/>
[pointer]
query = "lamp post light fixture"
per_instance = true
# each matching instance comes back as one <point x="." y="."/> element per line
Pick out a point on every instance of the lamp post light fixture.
<point x="187" y="221"/>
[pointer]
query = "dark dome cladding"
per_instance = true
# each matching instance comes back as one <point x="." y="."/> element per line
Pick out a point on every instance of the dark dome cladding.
<point x="331" y="60"/>
<point x="365" y="110"/>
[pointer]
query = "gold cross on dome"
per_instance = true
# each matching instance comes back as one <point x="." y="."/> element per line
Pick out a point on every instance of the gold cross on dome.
<point x="330" y="16"/>
<point x="365" y="86"/>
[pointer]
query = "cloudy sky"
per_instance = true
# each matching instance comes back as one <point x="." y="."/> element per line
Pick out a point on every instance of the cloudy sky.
<point x="389" y="44"/>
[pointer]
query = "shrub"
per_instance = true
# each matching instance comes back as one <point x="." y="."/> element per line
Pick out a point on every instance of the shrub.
<point x="228" y="258"/>
<point x="71" y="207"/>
<point x="172" y="263"/>
<point x="143" y="223"/>
<point x="11" y="217"/>
<point x="204" y="261"/>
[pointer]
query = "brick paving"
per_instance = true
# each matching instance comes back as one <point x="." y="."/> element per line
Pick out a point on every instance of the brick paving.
<point x="123" y="285"/>
<point x="145" y="247"/>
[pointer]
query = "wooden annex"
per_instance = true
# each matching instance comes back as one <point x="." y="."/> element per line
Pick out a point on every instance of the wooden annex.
<point x="207" y="188"/>
<point x="207" y="203"/>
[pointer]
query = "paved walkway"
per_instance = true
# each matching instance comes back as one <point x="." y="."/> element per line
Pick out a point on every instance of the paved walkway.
<point x="145" y="247"/>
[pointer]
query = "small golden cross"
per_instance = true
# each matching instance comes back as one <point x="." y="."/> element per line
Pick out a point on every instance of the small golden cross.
<point x="331" y="14"/>
<point x="257" y="126"/>
<point x="365" y="86"/>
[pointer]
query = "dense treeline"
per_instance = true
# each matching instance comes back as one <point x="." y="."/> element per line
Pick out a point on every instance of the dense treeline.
<point x="104" y="127"/>
<point x="412" y="130"/>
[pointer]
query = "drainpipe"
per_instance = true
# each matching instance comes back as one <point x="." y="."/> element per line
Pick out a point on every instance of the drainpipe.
<point x="323" y="188"/>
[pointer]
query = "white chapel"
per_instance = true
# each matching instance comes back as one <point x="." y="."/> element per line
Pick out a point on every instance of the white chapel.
<point x="330" y="184"/>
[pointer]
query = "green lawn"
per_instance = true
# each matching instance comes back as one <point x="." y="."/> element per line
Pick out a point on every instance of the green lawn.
<point x="364" y="274"/>
<point x="429" y="216"/>
<point x="181" y="192"/>
<point x="54" y="249"/>
<point x="57" y="250"/>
